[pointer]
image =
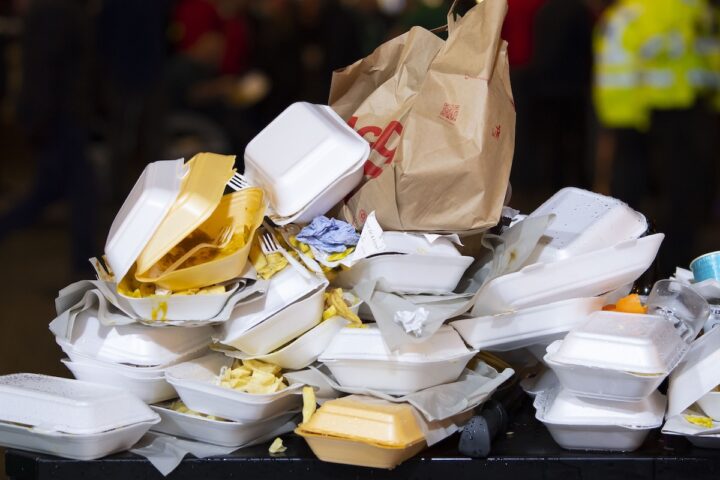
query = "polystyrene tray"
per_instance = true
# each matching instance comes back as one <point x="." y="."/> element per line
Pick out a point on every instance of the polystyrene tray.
<point x="585" y="275"/>
<point x="704" y="441"/>
<point x="578" y="424"/>
<point x="135" y="344"/>
<point x="282" y="327"/>
<point x="284" y="288"/>
<point x="300" y="153"/>
<point x="697" y="374"/>
<point x="525" y="327"/>
<point x="584" y="221"/>
<point x="628" y="342"/>
<point x="417" y="244"/>
<point x="80" y="447"/>
<point x="217" y="432"/>
<point x="358" y="357"/>
<point x="180" y="307"/>
<point x="144" y="208"/>
<point x="710" y="403"/>
<point x="194" y="383"/>
<point x="321" y="204"/>
<point x="603" y="383"/>
<point x="70" y="406"/>
<point x="407" y="273"/>
<point x="148" y="389"/>
<point x="304" y="350"/>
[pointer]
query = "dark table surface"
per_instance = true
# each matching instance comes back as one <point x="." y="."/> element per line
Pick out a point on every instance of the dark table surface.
<point x="525" y="452"/>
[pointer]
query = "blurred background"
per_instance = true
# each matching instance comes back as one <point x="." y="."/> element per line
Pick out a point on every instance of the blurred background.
<point x="621" y="97"/>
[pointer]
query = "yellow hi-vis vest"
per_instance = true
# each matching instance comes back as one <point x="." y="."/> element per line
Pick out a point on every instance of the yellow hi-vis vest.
<point x="617" y="86"/>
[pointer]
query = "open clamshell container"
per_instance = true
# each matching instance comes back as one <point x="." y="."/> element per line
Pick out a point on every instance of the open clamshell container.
<point x="284" y="326"/>
<point x="412" y="273"/>
<point x="218" y="432"/>
<point x="418" y="244"/>
<point x="526" y="327"/>
<point x="134" y="344"/>
<point x="200" y="192"/>
<point x="244" y="212"/>
<point x="195" y="384"/>
<point x="181" y="308"/>
<point x="583" y="424"/>
<point x="358" y="357"/>
<point x="302" y="152"/>
<point x="616" y="356"/>
<point x="586" y="275"/>
<point x="302" y="351"/>
<point x="284" y="288"/>
<point x="142" y="212"/>
<point x="69" y="418"/>
<point x="697" y="376"/>
<point x="584" y="221"/>
<point x="363" y="431"/>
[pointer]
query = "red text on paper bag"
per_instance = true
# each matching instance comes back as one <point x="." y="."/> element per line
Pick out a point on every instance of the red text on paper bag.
<point x="380" y="140"/>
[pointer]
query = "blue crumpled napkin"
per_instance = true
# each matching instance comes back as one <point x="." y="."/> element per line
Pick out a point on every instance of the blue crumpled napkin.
<point x="329" y="235"/>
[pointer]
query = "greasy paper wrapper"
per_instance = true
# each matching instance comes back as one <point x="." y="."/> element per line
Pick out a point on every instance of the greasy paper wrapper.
<point x="166" y="452"/>
<point x="114" y="310"/>
<point x="435" y="404"/>
<point x="441" y="119"/>
<point x="505" y="254"/>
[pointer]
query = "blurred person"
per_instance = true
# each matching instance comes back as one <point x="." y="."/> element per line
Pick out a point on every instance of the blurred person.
<point x="53" y="108"/>
<point x="131" y="42"/>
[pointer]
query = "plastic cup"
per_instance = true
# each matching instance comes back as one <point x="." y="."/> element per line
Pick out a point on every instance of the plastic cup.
<point x="706" y="267"/>
<point x="681" y="305"/>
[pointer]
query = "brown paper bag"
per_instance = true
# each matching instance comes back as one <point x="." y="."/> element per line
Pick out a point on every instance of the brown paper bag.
<point x="440" y="119"/>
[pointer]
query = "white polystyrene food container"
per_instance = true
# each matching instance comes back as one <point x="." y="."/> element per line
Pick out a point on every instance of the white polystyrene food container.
<point x="217" y="432"/>
<point x="284" y="288"/>
<point x="149" y="389"/>
<point x="70" y="406"/>
<point x="418" y="244"/>
<point x="622" y="341"/>
<point x="135" y="344"/>
<point x="301" y="153"/>
<point x="696" y="375"/>
<point x="141" y="213"/>
<point x="585" y="275"/>
<point x="710" y="404"/>
<point x="76" y="446"/>
<point x="321" y="204"/>
<point x="178" y="308"/>
<point x="358" y="357"/>
<point x="581" y="424"/>
<point x="282" y="327"/>
<point x="526" y="327"/>
<point x="413" y="274"/>
<point x="584" y="221"/>
<point x="304" y="350"/>
<point x="194" y="383"/>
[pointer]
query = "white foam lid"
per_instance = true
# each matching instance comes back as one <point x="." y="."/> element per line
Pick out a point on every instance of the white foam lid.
<point x="141" y="213"/>
<point x="367" y="344"/>
<point x="403" y="242"/>
<point x="622" y="341"/>
<point x="697" y="374"/>
<point x="558" y="406"/>
<point x="69" y="406"/>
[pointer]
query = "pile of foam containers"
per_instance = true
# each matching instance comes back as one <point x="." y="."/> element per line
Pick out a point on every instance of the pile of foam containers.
<point x="605" y="367"/>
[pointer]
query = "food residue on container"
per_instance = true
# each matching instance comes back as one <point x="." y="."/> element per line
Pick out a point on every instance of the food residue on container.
<point x="627" y="304"/>
<point x="699" y="420"/>
<point x="160" y="310"/>
<point x="132" y="288"/>
<point x="252" y="376"/>
<point x="336" y="305"/>
<point x="309" y="403"/>
<point x="266" y="265"/>
<point x="180" y="407"/>
<point x="277" y="446"/>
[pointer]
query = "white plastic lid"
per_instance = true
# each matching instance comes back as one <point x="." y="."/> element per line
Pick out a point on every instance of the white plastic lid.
<point x="621" y="341"/>
<point x="367" y="344"/>
<point x="141" y="213"/>
<point x="402" y="242"/>
<point x="697" y="374"/>
<point x="585" y="221"/>
<point x="558" y="406"/>
<point x="69" y="406"/>
<point x="135" y="344"/>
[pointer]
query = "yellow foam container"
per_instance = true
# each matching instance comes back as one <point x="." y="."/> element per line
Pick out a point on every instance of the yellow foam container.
<point x="244" y="210"/>
<point x="363" y="431"/>
<point x="200" y="192"/>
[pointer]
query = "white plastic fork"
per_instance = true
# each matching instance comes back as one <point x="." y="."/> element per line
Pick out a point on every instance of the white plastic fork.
<point x="238" y="182"/>
<point x="268" y="245"/>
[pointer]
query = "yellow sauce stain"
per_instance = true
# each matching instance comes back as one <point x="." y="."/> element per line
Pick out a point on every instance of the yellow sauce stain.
<point x="159" y="311"/>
